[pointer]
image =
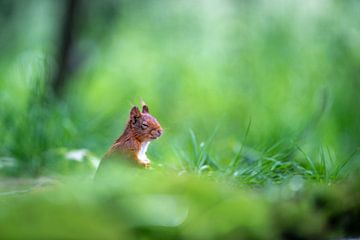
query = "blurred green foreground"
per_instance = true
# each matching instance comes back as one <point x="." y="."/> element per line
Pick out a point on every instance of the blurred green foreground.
<point x="259" y="101"/>
<point x="139" y="204"/>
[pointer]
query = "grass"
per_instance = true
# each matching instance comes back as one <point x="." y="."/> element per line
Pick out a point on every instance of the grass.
<point x="276" y="163"/>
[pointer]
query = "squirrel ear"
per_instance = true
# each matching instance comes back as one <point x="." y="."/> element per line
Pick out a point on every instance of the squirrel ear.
<point x="145" y="109"/>
<point x="135" y="112"/>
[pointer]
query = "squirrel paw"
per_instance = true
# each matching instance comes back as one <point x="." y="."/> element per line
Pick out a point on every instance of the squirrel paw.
<point x="146" y="165"/>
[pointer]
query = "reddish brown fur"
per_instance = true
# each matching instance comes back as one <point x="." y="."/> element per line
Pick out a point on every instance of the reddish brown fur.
<point x="140" y="128"/>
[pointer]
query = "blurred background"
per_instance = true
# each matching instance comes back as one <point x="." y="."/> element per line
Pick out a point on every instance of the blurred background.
<point x="230" y="81"/>
<point x="259" y="101"/>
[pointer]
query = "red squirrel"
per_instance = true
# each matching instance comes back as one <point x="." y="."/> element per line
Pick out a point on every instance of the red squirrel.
<point x="140" y="129"/>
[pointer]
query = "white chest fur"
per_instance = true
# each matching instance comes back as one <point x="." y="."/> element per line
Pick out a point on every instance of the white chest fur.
<point x="142" y="153"/>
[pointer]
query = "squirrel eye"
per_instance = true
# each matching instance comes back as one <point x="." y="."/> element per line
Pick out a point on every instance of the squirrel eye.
<point x="144" y="125"/>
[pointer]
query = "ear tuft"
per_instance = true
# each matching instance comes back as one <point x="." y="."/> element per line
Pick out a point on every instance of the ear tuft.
<point x="145" y="108"/>
<point x="142" y="102"/>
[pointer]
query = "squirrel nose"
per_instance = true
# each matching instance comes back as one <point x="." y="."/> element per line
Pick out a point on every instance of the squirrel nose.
<point x="156" y="133"/>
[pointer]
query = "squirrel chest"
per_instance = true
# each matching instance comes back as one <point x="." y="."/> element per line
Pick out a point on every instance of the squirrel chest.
<point x="141" y="155"/>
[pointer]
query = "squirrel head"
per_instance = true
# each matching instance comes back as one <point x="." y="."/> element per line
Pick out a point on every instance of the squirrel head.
<point x="144" y="126"/>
